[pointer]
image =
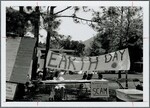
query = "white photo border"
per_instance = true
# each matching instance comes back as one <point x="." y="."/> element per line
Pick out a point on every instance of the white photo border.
<point x="144" y="4"/>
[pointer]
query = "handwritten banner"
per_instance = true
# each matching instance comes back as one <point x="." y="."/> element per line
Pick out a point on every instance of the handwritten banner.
<point x="118" y="60"/>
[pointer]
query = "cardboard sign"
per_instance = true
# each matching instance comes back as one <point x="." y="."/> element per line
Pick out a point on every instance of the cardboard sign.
<point x="99" y="89"/>
<point x="10" y="90"/>
<point x="118" y="60"/>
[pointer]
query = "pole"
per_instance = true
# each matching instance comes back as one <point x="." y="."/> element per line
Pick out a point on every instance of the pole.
<point x="127" y="45"/>
<point x="126" y="79"/>
<point x="48" y="39"/>
<point x="21" y="32"/>
<point x="119" y="73"/>
<point x="36" y="34"/>
<point x="37" y="13"/>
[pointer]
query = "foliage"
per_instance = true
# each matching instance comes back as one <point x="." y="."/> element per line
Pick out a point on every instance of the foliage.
<point x="116" y="27"/>
<point x="73" y="45"/>
<point x="14" y="21"/>
<point x="60" y="41"/>
<point x="17" y="22"/>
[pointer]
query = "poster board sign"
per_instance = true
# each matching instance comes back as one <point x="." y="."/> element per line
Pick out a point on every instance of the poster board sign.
<point x="99" y="89"/>
<point x="118" y="60"/>
<point x="10" y="90"/>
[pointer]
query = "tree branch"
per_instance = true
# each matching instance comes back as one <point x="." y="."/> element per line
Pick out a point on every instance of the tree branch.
<point x="57" y="40"/>
<point x="62" y="10"/>
<point x="76" y="17"/>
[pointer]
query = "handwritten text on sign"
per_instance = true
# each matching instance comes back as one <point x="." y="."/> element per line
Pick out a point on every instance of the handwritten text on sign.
<point x="118" y="60"/>
<point x="10" y="90"/>
<point x="99" y="89"/>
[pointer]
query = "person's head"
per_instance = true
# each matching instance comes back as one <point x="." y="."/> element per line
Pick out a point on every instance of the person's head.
<point x="40" y="74"/>
<point x="29" y="22"/>
<point x="61" y="73"/>
<point x="141" y="83"/>
<point x="84" y="76"/>
<point x="134" y="37"/>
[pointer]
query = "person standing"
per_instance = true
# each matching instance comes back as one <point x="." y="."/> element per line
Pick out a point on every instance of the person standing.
<point x="59" y="88"/>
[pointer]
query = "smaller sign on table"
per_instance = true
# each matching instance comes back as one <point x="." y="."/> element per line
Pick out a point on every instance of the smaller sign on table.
<point x="10" y="90"/>
<point x="99" y="89"/>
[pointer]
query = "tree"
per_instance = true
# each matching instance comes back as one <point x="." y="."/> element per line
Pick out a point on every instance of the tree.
<point x="119" y="28"/>
<point x="14" y="22"/>
<point x="17" y="21"/>
<point x="51" y="17"/>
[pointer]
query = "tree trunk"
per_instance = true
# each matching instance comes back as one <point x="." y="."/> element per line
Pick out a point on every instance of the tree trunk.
<point x="127" y="33"/>
<point x="36" y="33"/>
<point x="48" y="39"/>
<point x="21" y="33"/>
<point x="121" y="37"/>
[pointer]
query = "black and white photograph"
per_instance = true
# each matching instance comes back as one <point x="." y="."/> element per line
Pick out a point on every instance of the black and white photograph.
<point x="95" y="52"/>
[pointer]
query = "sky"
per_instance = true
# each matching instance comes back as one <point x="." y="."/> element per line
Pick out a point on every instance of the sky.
<point x="80" y="32"/>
